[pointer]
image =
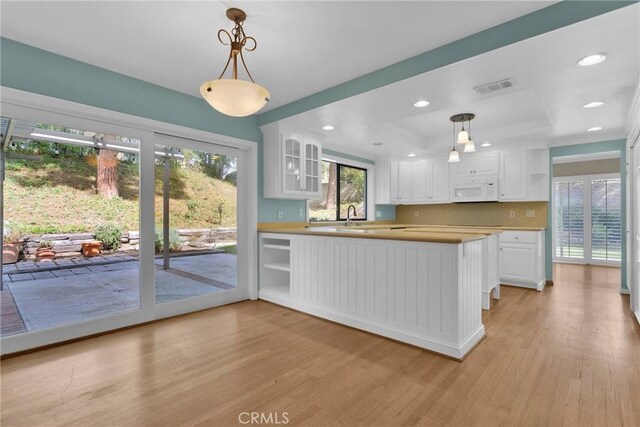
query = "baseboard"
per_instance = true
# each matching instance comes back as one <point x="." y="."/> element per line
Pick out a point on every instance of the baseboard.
<point x="456" y="351"/>
<point x="549" y="282"/>
<point x="624" y="291"/>
<point x="538" y="286"/>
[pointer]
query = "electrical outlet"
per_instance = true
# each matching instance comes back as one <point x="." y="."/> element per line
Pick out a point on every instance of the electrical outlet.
<point x="378" y="214"/>
<point x="279" y="214"/>
<point x="512" y="213"/>
<point x="301" y="213"/>
<point x="416" y="213"/>
<point x="531" y="213"/>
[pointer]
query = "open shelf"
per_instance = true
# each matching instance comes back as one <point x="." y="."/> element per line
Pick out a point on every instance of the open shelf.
<point x="282" y="266"/>
<point x="275" y="265"/>
<point x="278" y="247"/>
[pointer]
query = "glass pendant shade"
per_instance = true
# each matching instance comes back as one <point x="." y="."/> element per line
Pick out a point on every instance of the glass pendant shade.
<point x="463" y="137"/>
<point x="454" y="156"/>
<point x="233" y="97"/>
<point x="470" y="147"/>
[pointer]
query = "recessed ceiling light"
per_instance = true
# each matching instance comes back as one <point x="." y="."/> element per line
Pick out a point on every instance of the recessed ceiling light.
<point x="328" y="127"/>
<point x="412" y="154"/>
<point x="377" y="144"/>
<point x="591" y="60"/>
<point x="485" y="144"/>
<point x="594" y="129"/>
<point x="420" y="104"/>
<point x="593" y="104"/>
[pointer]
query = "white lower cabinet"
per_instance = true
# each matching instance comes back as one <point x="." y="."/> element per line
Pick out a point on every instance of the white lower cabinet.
<point x="522" y="259"/>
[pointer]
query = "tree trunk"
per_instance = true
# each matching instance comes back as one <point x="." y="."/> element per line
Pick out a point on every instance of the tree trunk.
<point x="331" y="189"/>
<point x="107" y="173"/>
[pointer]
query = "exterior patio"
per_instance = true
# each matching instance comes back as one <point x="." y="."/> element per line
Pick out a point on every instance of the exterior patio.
<point x="38" y="296"/>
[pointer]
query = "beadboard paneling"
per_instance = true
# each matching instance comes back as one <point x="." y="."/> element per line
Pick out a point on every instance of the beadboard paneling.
<point x="428" y="291"/>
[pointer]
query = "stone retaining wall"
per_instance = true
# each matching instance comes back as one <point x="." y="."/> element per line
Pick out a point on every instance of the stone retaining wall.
<point x="71" y="244"/>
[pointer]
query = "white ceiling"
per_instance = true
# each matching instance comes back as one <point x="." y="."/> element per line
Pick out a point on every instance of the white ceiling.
<point x="544" y="106"/>
<point x="303" y="46"/>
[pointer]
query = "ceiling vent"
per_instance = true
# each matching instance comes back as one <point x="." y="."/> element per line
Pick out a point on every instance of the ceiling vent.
<point x="495" y="86"/>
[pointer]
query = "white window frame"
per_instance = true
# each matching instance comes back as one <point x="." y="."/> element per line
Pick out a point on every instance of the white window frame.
<point x="371" y="206"/>
<point x="586" y="198"/>
<point x="22" y="105"/>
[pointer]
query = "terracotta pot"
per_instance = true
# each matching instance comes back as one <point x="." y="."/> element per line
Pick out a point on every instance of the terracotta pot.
<point x="45" y="254"/>
<point x="10" y="252"/>
<point x="91" y="249"/>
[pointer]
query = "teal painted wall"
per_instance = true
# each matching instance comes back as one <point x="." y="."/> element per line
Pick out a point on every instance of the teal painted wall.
<point x="590" y="148"/>
<point x="544" y="20"/>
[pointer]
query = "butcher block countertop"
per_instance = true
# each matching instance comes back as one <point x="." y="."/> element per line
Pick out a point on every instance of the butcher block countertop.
<point x="388" y="232"/>
<point x="445" y="229"/>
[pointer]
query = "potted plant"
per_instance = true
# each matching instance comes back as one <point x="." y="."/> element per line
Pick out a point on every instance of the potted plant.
<point x="11" y="247"/>
<point x="91" y="249"/>
<point x="45" y="251"/>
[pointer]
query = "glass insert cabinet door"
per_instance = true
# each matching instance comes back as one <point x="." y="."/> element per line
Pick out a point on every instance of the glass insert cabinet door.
<point x="312" y="167"/>
<point x="293" y="165"/>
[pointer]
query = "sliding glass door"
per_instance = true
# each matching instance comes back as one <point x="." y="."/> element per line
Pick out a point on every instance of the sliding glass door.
<point x="70" y="227"/>
<point x="108" y="225"/>
<point x="587" y="219"/>
<point x="196" y="221"/>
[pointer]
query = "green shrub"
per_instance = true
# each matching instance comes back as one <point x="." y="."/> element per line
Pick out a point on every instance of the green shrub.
<point x="175" y="241"/>
<point x="322" y="215"/>
<point x="192" y="206"/>
<point x="109" y="235"/>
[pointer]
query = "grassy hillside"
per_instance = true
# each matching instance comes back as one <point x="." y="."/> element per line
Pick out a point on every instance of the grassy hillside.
<point x="47" y="194"/>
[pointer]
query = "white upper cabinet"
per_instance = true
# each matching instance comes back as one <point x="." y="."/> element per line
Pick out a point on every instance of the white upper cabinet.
<point x="513" y="176"/>
<point x="292" y="164"/>
<point x="438" y="179"/>
<point x="419" y="181"/>
<point x="479" y="164"/>
<point x="405" y="182"/>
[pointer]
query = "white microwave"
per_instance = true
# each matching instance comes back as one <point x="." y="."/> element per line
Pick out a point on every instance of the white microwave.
<point x="475" y="190"/>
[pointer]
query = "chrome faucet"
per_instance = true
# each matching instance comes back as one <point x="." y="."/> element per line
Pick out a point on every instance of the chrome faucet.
<point x="355" y="212"/>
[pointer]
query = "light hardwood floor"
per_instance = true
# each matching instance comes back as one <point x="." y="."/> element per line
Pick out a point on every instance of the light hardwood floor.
<point x="567" y="356"/>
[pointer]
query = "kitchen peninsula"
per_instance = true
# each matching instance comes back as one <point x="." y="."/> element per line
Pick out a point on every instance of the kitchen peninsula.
<point x="419" y="286"/>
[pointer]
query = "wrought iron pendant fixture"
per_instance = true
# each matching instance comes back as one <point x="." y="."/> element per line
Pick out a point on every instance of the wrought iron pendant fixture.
<point x="464" y="136"/>
<point x="235" y="97"/>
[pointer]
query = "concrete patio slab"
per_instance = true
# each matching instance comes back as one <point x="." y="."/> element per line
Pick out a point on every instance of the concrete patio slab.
<point x="47" y="299"/>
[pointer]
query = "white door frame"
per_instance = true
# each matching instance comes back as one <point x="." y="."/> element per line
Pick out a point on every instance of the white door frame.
<point x="586" y="200"/>
<point x="38" y="108"/>
<point x="633" y="264"/>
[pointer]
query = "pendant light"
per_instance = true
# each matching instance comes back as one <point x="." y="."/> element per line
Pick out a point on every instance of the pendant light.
<point x="454" y="156"/>
<point x="463" y="137"/>
<point x="235" y="97"/>
<point x="469" y="146"/>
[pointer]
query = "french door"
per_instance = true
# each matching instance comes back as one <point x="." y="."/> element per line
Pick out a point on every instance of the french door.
<point x="587" y="214"/>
